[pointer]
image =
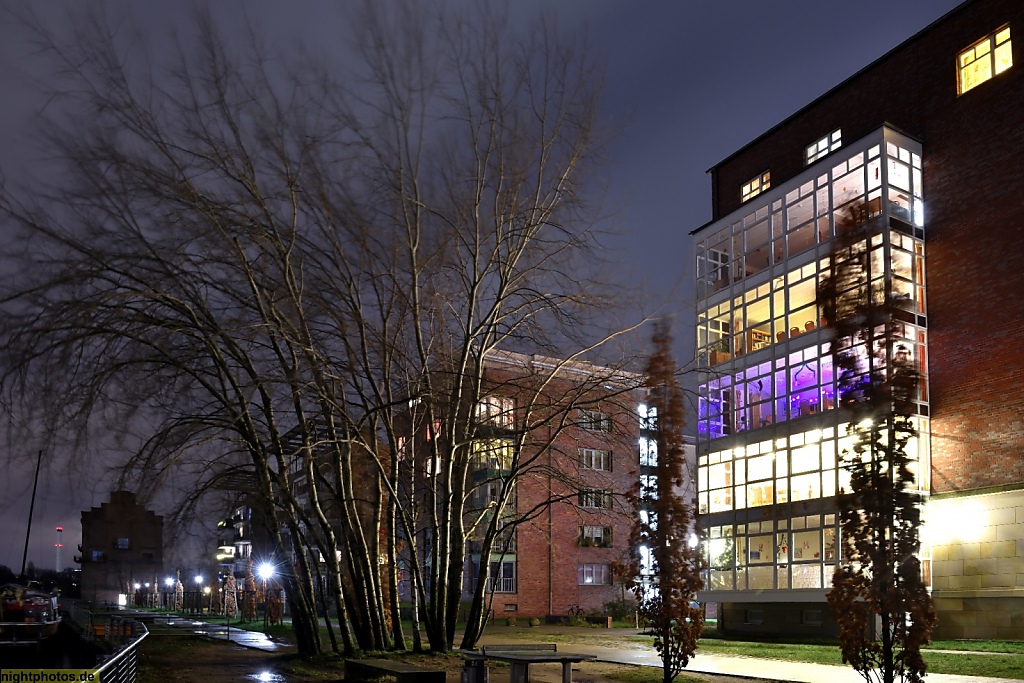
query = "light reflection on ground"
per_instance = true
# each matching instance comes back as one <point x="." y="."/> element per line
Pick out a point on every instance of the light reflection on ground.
<point x="266" y="677"/>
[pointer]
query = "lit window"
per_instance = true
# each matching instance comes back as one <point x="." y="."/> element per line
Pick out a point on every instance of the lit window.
<point x="648" y="452"/>
<point x="824" y="146"/>
<point x="648" y="416"/>
<point x="123" y="544"/>
<point x="497" y="411"/>
<point x="595" y="459"/>
<point x="596" y="536"/>
<point x="756" y="186"/>
<point x="594" y="575"/>
<point x="493" y="454"/>
<point x="990" y="56"/>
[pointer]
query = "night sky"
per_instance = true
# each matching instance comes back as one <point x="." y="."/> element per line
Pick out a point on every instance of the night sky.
<point x="693" y="81"/>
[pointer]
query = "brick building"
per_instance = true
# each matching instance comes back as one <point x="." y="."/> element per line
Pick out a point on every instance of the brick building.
<point x="582" y="453"/>
<point x="122" y="545"/>
<point x="927" y="142"/>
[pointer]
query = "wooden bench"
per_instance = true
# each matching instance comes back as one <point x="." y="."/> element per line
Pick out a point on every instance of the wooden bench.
<point x="368" y="669"/>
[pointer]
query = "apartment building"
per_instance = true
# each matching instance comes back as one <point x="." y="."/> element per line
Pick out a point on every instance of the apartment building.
<point x="583" y="464"/>
<point x="924" y="144"/>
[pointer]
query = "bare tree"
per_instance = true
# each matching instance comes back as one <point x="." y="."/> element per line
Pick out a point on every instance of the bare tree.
<point x="263" y="265"/>
<point x="878" y="595"/>
<point x="668" y="566"/>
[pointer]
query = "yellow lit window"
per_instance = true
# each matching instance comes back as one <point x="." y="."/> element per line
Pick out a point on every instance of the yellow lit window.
<point x="824" y="146"/>
<point x="756" y="186"/>
<point x="990" y="56"/>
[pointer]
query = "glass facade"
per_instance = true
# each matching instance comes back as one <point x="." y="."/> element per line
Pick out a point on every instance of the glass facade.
<point x="769" y="437"/>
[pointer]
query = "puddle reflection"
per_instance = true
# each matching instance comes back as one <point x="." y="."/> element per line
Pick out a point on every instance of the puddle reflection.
<point x="266" y="677"/>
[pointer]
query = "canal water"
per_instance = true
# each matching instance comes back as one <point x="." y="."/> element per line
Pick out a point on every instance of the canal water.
<point x="66" y="650"/>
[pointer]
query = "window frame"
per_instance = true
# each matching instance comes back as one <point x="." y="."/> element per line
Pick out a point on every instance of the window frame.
<point x="600" y="574"/>
<point x="821" y="148"/>
<point x="599" y="536"/>
<point x="595" y="499"/>
<point x="595" y="420"/>
<point x="590" y="458"/>
<point x="992" y="45"/>
<point x="760" y="183"/>
<point x="497" y="411"/>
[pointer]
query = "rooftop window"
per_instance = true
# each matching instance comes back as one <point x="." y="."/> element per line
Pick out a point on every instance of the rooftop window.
<point x="823" y="147"/>
<point x="990" y="56"/>
<point x="755" y="186"/>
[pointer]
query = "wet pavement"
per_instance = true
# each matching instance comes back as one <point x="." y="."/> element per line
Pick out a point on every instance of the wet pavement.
<point x="629" y="652"/>
<point x="626" y="651"/>
<point x="251" y="639"/>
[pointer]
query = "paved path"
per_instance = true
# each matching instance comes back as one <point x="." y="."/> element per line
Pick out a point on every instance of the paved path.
<point x="743" y="667"/>
<point x="628" y="652"/>
<point x="251" y="639"/>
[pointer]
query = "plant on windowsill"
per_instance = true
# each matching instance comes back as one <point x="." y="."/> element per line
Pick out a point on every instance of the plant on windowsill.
<point x="720" y="351"/>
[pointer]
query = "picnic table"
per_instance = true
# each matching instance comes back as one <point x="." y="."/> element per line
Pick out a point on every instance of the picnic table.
<point x="520" y="656"/>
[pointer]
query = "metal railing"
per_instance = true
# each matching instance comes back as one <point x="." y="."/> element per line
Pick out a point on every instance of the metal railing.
<point x="123" y="666"/>
<point x="503" y="584"/>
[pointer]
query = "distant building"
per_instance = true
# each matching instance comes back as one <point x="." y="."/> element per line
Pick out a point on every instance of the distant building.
<point x="926" y="144"/>
<point x="122" y="545"/>
<point x="244" y="535"/>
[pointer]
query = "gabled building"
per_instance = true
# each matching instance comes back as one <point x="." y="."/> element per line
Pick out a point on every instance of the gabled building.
<point x="122" y="545"/>
<point x="925" y="145"/>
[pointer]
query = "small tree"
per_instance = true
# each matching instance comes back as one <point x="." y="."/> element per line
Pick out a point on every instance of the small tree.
<point x="878" y="594"/>
<point x="668" y="570"/>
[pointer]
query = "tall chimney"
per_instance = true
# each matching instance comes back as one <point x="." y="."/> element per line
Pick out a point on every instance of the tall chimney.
<point x="59" y="545"/>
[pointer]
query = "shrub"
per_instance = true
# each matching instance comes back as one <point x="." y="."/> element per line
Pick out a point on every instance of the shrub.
<point x="620" y="610"/>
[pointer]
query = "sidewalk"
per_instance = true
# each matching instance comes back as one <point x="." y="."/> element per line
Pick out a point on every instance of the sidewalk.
<point x="255" y="640"/>
<point x="628" y="652"/>
<point x="744" y="667"/>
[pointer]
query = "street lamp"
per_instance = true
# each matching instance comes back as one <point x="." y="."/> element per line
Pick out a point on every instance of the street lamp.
<point x="199" y="595"/>
<point x="266" y="572"/>
<point x="169" y="584"/>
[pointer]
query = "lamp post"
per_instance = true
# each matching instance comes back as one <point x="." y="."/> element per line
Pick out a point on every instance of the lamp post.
<point x="199" y="594"/>
<point x="169" y="588"/>
<point x="266" y="572"/>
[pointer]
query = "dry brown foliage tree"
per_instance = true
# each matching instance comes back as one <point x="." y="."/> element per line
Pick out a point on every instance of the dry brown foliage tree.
<point x="883" y="608"/>
<point x="670" y="579"/>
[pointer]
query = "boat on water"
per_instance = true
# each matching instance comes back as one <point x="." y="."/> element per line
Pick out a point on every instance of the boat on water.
<point x="27" y="615"/>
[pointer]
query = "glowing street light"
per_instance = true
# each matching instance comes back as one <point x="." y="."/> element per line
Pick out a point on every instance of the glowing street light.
<point x="266" y="572"/>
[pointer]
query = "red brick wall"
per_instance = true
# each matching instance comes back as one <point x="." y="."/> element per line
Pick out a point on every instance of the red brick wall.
<point x="548" y="554"/>
<point x="973" y="151"/>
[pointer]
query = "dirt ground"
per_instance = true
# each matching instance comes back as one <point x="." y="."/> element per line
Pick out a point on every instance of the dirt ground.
<point x="187" y="659"/>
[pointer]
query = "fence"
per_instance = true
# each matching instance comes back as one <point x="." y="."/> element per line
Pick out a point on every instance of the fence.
<point x="123" y="666"/>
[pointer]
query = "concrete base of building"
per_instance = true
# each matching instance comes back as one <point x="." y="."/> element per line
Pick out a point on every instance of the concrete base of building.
<point x="987" y="618"/>
<point x="776" y="618"/>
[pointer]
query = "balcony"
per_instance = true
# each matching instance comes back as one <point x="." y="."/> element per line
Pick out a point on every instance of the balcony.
<point x="503" y="584"/>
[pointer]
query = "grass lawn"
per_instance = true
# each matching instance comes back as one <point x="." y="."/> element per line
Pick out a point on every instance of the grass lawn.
<point x="995" y="658"/>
